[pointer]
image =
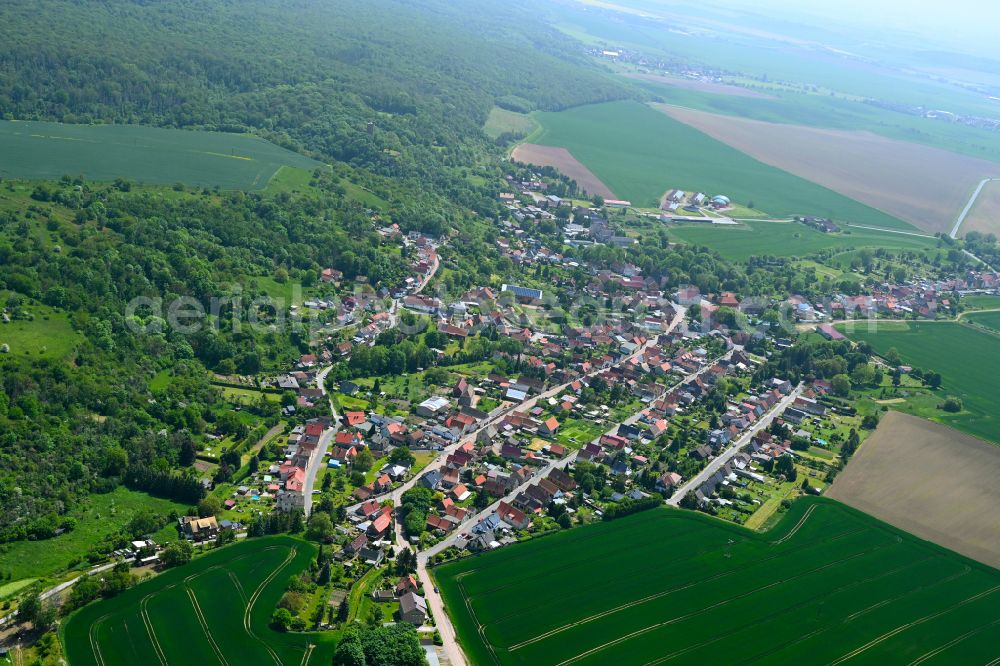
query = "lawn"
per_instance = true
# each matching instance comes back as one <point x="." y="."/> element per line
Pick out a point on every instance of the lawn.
<point x="98" y="517"/>
<point x="789" y="239"/>
<point x="827" y="584"/>
<point x="49" y="335"/>
<point x="248" y="396"/>
<point x="966" y="358"/>
<point x="640" y="153"/>
<point x="46" y="151"/>
<point x="216" y="608"/>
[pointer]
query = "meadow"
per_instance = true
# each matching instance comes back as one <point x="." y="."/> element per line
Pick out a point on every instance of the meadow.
<point x="48" y="334"/>
<point x="787" y="239"/>
<point x="47" y="151"/>
<point x="828" y="584"/>
<point x="966" y="358"/>
<point x="98" y="517"/>
<point x="219" y="604"/>
<point x="640" y="153"/>
<point x="501" y="121"/>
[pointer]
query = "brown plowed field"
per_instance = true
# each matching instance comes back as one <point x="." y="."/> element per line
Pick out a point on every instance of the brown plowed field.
<point x="929" y="480"/>
<point x="985" y="214"/>
<point x="927" y="187"/>
<point x="562" y="159"/>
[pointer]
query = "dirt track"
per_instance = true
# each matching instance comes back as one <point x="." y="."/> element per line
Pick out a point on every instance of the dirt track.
<point x="562" y="159"/>
<point x="925" y="186"/>
<point x="929" y="480"/>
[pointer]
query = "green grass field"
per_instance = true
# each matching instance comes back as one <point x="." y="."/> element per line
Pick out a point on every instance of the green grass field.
<point x="501" y="121"/>
<point x="966" y="358"/>
<point x="49" y="335"/>
<point x="46" y="151"/>
<point x="828" y="584"/>
<point x="98" y="517"/>
<point x="989" y="320"/>
<point x="787" y="239"/>
<point x="640" y="153"/>
<point x="981" y="302"/>
<point x="215" y="609"/>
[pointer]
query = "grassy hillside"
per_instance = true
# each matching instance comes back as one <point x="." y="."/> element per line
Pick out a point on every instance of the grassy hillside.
<point x="640" y="153"/>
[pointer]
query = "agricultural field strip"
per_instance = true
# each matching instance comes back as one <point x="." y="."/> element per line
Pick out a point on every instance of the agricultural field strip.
<point x="784" y="610"/>
<point x="924" y="578"/>
<point x="148" y="622"/>
<point x="952" y="643"/>
<point x="817" y="595"/>
<point x="666" y="573"/>
<point x="922" y="185"/>
<point x="144" y="615"/>
<point x="94" y="642"/>
<point x="909" y="625"/>
<point x="640" y="152"/>
<point x="701" y="611"/>
<point x="585" y="556"/>
<point x="204" y="626"/>
<point x="565" y="565"/>
<point x="622" y="588"/>
<point x="823" y="628"/>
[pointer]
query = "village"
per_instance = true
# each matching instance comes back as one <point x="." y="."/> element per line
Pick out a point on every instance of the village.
<point x="506" y="412"/>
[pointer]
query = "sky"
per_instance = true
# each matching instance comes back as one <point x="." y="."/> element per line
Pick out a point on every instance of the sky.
<point x="970" y="25"/>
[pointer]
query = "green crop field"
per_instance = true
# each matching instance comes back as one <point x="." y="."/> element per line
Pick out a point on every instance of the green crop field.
<point x="640" y="153"/>
<point x="966" y="358"/>
<point x="828" y="585"/>
<point x="788" y="239"/>
<point x="46" y="151"/>
<point x="216" y="608"/>
<point x="989" y="320"/>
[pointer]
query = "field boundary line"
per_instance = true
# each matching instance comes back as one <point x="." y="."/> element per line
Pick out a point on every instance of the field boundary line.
<point x="256" y="595"/>
<point x="718" y="604"/>
<point x="480" y="627"/>
<point x="307" y="654"/>
<point x="885" y="602"/>
<point x="238" y="585"/>
<point x="94" y="642"/>
<point x="144" y="615"/>
<point x="667" y="592"/>
<point x="791" y="533"/>
<point x="204" y="626"/>
<point x="953" y="642"/>
<point x="900" y="629"/>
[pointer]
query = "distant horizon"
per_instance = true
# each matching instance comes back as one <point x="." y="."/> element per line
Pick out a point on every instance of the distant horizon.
<point x="965" y="26"/>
